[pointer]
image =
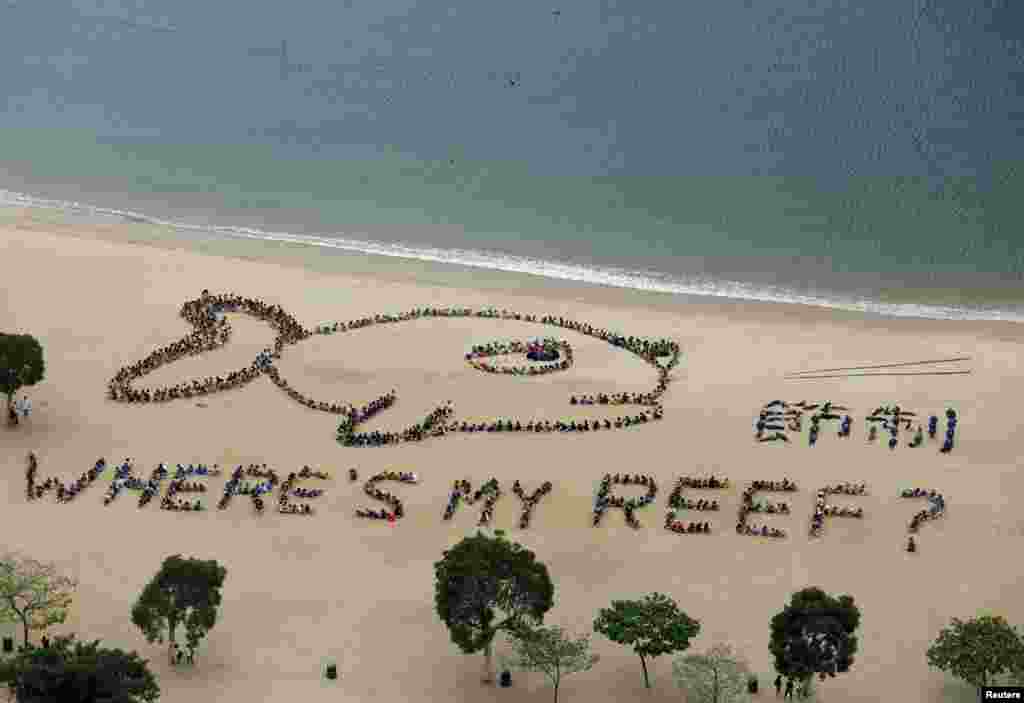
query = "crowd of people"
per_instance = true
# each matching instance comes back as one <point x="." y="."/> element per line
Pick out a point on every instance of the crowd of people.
<point x="690" y="504"/>
<point x="462" y="490"/>
<point x="823" y="509"/>
<point x="686" y="528"/>
<point x="440" y="422"/>
<point x="181" y="484"/>
<point x="301" y="492"/>
<point x="431" y="425"/>
<point x="257" y="480"/>
<point x="30" y="477"/>
<point x="35" y="490"/>
<point x="947" y="444"/>
<point x="827" y="414"/>
<point x="211" y="331"/>
<point x="353" y="415"/>
<point x="490" y="492"/>
<point x="848" y="489"/>
<point x="936" y="506"/>
<point x="370" y="488"/>
<point x="529" y="501"/>
<point x="177" y="486"/>
<point x="891" y="419"/>
<point x="677" y="502"/>
<point x="237" y="485"/>
<point x="614" y="399"/>
<point x="288" y="489"/>
<point x="539" y="350"/>
<point x="648" y="350"/>
<point x="125" y="479"/>
<point x="21" y="408"/>
<point x="777" y="416"/>
<point x="606" y="500"/>
<point x="748" y="506"/>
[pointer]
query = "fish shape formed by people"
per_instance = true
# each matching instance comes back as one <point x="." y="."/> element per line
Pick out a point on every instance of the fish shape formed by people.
<point x="212" y="331"/>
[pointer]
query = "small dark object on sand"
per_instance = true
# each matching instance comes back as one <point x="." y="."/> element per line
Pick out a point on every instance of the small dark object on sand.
<point x="543" y="355"/>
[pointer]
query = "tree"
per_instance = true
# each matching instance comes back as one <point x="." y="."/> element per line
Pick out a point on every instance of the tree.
<point x="978" y="650"/>
<point x="550" y="651"/>
<point x="654" y="626"/>
<point x="76" y="672"/>
<point x="483" y="573"/>
<point x="33" y="592"/>
<point x="717" y="676"/>
<point x="21" y="364"/>
<point x="184" y="591"/>
<point x="814" y="635"/>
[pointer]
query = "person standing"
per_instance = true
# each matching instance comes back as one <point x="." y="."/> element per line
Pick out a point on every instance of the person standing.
<point x="23" y="407"/>
<point x="789" y="688"/>
<point x="778" y="685"/>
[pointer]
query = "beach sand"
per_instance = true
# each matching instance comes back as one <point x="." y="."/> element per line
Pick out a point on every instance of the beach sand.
<point x="303" y="590"/>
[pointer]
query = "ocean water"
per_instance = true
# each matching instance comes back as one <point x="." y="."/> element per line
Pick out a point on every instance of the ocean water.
<point x="862" y="156"/>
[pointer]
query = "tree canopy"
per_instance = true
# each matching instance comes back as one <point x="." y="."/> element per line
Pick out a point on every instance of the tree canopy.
<point x="978" y="650"/>
<point x="653" y="626"/>
<point x="716" y="676"/>
<point x="21" y="363"/>
<point x="75" y="672"/>
<point x="551" y="651"/>
<point x="481" y="575"/>
<point x="814" y="634"/>
<point x="184" y="591"/>
<point x="33" y="593"/>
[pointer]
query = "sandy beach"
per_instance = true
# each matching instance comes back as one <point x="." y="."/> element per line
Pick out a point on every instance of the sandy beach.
<point x="301" y="590"/>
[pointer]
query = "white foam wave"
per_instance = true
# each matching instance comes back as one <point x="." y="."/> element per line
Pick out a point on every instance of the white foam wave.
<point x="609" y="276"/>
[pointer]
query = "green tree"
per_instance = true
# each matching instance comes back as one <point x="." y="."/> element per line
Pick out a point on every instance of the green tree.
<point x="184" y="591"/>
<point x="21" y="364"/>
<point x="979" y="650"/>
<point x="77" y="672"/>
<point x="552" y="652"/>
<point x="814" y="634"/>
<point x="654" y="626"/>
<point x="33" y="593"/>
<point x="482" y="574"/>
<point x="717" y="676"/>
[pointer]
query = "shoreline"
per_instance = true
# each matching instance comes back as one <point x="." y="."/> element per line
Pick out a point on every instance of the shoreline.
<point x="519" y="285"/>
<point x="492" y="271"/>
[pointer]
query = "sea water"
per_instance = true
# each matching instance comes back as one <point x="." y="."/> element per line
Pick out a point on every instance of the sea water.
<point x="864" y="156"/>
